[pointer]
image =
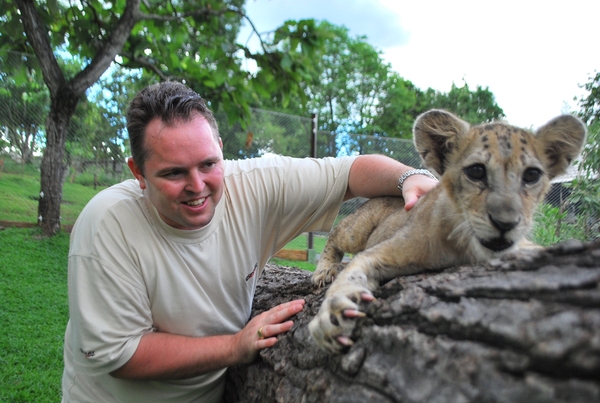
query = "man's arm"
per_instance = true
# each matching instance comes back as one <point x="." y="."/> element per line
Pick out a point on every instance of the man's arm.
<point x="377" y="175"/>
<point x="170" y="356"/>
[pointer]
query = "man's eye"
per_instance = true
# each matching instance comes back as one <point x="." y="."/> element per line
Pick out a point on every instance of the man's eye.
<point x="208" y="166"/>
<point x="476" y="172"/>
<point x="172" y="174"/>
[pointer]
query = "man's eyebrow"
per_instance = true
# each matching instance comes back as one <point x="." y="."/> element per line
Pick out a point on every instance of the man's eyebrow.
<point x="213" y="159"/>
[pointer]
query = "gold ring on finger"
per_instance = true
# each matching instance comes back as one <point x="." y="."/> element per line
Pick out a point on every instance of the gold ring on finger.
<point x="260" y="333"/>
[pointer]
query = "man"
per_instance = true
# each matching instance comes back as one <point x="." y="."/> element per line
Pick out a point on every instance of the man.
<point x="162" y="270"/>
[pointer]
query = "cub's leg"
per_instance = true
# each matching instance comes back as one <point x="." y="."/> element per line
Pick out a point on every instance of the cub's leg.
<point x="351" y="235"/>
<point x="334" y="323"/>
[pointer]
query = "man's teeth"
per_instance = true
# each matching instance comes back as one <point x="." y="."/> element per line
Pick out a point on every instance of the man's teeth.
<point x="195" y="202"/>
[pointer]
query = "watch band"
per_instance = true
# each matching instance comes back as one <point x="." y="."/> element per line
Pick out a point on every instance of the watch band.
<point x="412" y="172"/>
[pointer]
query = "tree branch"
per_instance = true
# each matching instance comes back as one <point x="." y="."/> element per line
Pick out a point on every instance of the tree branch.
<point x="254" y="30"/>
<point x="111" y="48"/>
<point x="205" y="13"/>
<point x="146" y="63"/>
<point x="196" y="13"/>
<point x="38" y="37"/>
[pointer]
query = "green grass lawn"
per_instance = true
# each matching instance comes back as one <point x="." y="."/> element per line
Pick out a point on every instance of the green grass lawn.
<point x="33" y="313"/>
<point x="20" y="190"/>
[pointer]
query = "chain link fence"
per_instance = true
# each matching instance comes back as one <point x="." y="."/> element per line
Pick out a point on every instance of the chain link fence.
<point x="24" y="104"/>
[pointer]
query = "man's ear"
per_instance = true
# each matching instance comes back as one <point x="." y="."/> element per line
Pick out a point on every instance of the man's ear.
<point x="221" y="143"/>
<point x="137" y="172"/>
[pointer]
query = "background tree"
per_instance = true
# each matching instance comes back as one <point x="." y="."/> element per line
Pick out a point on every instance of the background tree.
<point x="192" y="41"/>
<point x="23" y="103"/>
<point x="586" y="188"/>
<point x="351" y="78"/>
<point x="398" y="108"/>
<point x="97" y="133"/>
<point x="268" y="132"/>
<point x="475" y="107"/>
<point x="356" y="94"/>
<point x="403" y="102"/>
<point x="590" y="104"/>
<point x="344" y="86"/>
<point x="590" y="113"/>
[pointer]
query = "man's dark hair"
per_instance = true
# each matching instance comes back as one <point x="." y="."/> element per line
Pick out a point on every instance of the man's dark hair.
<point x="170" y="101"/>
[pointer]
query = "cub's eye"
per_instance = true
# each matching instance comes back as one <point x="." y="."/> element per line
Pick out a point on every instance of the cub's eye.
<point x="476" y="172"/>
<point x="531" y="175"/>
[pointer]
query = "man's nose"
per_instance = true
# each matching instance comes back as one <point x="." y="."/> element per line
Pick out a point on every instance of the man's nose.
<point x="195" y="182"/>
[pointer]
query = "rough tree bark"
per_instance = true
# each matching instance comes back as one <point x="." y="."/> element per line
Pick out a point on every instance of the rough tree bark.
<point x="522" y="329"/>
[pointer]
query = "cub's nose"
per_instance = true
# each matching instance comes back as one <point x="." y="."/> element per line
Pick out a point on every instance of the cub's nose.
<point x="504" y="225"/>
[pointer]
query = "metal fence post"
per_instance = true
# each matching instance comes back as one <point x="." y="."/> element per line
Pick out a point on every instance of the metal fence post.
<point x="312" y="255"/>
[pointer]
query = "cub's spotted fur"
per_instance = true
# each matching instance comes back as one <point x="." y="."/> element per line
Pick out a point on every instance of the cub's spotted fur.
<point x="492" y="177"/>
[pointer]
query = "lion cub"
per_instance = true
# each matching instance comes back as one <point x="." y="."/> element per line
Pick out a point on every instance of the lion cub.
<point x="492" y="177"/>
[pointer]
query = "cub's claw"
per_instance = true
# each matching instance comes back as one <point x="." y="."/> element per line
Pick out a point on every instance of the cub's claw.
<point x="333" y="325"/>
<point x="353" y="313"/>
<point x="345" y="341"/>
<point x="323" y="282"/>
<point x="367" y="297"/>
<point x="325" y="273"/>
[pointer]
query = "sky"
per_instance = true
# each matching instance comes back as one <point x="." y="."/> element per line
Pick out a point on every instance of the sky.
<point x="533" y="55"/>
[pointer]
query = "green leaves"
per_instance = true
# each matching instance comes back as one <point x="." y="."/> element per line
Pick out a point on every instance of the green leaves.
<point x="590" y="104"/>
<point x="193" y="41"/>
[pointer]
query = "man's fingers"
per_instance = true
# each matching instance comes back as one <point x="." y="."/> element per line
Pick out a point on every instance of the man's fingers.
<point x="270" y="332"/>
<point x="274" y="322"/>
<point x="284" y="311"/>
<point x="409" y="204"/>
<point x="278" y="328"/>
<point x="265" y="343"/>
<point x="415" y="187"/>
<point x="290" y="303"/>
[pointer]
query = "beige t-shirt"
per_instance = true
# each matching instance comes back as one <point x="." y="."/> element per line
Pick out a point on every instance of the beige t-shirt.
<point x="130" y="273"/>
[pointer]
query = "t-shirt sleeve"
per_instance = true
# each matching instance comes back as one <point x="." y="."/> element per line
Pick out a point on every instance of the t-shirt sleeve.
<point x="109" y="307"/>
<point x="108" y="316"/>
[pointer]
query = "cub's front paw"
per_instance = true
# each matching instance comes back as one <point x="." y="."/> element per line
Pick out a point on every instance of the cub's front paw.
<point x="332" y="327"/>
<point x="325" y="273"/>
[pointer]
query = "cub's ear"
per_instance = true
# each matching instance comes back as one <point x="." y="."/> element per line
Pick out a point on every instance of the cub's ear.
<point x="435" y="133"/>
<point x="559" y="142"/>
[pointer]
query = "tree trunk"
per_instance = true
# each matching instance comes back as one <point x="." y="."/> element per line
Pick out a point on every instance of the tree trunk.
<point x="522" y="329"/>
<point x="52" y="170"/>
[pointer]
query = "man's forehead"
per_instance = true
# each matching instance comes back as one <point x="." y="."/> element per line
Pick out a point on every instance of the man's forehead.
<point x="157" y="127"/>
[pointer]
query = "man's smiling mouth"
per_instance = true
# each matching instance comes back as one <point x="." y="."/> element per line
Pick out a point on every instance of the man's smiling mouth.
<point x="197" y="202"/>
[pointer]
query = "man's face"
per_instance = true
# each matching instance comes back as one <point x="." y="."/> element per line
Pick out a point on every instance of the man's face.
<point x="183" y="172"/>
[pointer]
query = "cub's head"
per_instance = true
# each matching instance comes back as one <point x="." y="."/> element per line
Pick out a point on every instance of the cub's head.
<point x="495" y="174"/>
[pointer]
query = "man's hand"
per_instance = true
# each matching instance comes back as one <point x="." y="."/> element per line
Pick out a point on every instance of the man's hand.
<point x="414" y="187"/>
<point x="377" y="175"/>
<point x="270" y="323"/>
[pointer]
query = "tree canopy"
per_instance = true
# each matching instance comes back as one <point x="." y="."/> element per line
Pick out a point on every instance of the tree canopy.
<point x="354" y="90"/>
<point x="590" y="104"/>
<point x="590" y="114"/>
<point x="192" y="41"/>
<point x="23" y="105"/>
